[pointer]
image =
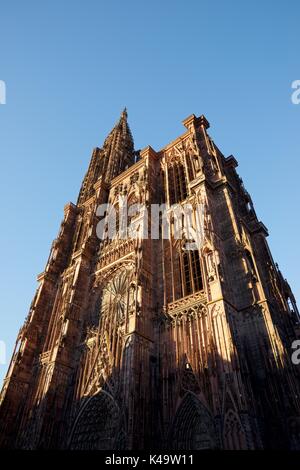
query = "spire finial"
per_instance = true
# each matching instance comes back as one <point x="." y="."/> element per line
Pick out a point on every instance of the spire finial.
<point x="124" y="113"/>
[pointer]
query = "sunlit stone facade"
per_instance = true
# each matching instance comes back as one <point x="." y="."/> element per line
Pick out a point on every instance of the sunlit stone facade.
<point x="138" y="343"/>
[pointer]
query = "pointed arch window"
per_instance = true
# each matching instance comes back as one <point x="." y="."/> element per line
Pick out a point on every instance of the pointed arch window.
<point x="187" y="279"/>
<point x="117" y="221"/>
<point x="196" y="270"/>
<point x="79" y="233"/>
<point x="177" y="183"/>
<point x="191" y="273"/>
<point x="120" y="217"/>
<point x="250" y="264"/>
<point x="133" y="209"/>
<point x="190" y="169"/>
<point x="290" y="304"/>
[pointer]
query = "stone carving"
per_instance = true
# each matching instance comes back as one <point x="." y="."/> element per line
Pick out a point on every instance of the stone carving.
<point x="134" y="343"/>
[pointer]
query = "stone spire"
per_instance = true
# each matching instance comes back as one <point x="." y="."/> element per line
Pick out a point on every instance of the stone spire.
<point x="113" y="158"/>
<point x="118" y="148"/>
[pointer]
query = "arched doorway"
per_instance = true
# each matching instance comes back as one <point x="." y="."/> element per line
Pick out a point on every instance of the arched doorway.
<point x="97" y="426"/>
<point x="193" y="427"/>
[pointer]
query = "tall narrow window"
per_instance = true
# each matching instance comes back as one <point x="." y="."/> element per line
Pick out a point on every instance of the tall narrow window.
<point x="191" y="274"/>
<point x="177" y="184"/>
<point x="187" y="274"/>
<point x="196" y="269"/>
<point x="190" y="167"/>
<point x="117" y="216"/>
<point x="78" y="235"/>
<point x="175" y="286"/>
<point x="290" y="304"/>
<point x="250" y="263"/>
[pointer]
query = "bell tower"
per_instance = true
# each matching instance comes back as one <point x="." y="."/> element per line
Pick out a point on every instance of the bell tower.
<point x="142" y="341"/>
<point x="41" y="373"/>
<point x="231" y="316"/>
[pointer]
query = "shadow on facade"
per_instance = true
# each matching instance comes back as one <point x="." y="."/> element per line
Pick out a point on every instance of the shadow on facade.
<point x="181" y="396"/>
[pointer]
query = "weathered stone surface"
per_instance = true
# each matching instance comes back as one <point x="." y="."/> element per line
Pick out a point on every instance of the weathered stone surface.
<point x="139" y="343"/>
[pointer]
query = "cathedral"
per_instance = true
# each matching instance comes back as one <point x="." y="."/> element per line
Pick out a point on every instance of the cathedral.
<point x="140" y="342"/>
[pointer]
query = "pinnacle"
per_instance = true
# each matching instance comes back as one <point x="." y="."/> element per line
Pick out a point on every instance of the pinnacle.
<point x="124" y="114"/>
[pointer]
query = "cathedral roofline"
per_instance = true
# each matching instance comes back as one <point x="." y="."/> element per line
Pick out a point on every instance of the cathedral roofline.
<point x="190" y="120"/>
<point x="173" y="142"/>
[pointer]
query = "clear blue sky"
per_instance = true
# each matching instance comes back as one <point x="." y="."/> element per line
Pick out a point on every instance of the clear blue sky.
<point x="71" y="66"/>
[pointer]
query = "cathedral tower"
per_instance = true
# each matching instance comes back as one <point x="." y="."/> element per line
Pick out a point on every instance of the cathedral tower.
<point x="139" y="342"/>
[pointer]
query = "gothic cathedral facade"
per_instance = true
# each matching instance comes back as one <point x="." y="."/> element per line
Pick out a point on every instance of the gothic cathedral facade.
<point x="138" y="343"/>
